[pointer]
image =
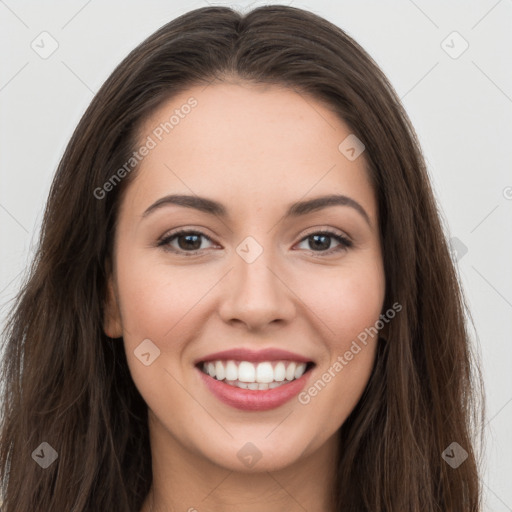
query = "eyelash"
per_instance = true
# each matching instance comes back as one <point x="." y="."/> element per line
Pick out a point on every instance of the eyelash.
<point x="164" y="242"/>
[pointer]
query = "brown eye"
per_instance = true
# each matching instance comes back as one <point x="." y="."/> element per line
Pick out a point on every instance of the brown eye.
<point x="321" y="242"/>
<point x="189" y="242"/>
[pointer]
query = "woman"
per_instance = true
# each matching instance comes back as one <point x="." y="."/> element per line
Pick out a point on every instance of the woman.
<point x="243" y="298"/>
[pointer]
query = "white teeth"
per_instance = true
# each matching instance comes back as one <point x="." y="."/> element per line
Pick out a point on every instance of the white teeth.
<point x="231" y="371"/>
<point x="252" y="385"/>
<point x="220" y="374"/>
<point x="290" y="371"/>
<point x="279" y="372"/>
<point x="246" y="372"/>
<point x="247" y="375"/>
<point x="264" y="373"/>
<point x="299" y="371"/>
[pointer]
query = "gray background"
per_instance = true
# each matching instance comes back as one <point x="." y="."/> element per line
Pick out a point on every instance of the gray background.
<point x="460" y="105"/>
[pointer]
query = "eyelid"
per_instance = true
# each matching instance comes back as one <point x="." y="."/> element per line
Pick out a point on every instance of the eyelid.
<point x="344" y="240"/>
<point x="328" y="230"/>
<point x="164" y="240"/>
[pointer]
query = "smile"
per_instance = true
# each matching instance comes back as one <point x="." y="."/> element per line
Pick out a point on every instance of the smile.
<point x="249" y="386"/>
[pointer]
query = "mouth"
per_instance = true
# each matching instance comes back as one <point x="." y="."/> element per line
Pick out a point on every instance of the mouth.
<point x="250" y="387"/>
<point x="259" y="376"/>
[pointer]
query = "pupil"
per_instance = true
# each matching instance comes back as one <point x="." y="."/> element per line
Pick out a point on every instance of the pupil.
<point x="324" y="245"/>
<point x="188" y="237"/>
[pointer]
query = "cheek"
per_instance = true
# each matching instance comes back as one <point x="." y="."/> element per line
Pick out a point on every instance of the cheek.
<point x="346" y="300"/>
<point x="348" y="307"/>
<point x="347" y="303"/>
<point x="160" y="304"/>
<point x="157" y="299"/>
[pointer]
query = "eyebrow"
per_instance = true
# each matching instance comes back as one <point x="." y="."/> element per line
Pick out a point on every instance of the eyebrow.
<point x="294" y="210"/>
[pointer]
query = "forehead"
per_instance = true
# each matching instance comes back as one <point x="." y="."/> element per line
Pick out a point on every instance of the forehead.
<point x="256" y="144"/>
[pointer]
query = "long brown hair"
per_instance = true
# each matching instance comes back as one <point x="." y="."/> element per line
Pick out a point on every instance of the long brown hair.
<point x="65" y="383"/>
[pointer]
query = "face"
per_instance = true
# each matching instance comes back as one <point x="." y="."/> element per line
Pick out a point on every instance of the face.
<point x="255" y="274"/>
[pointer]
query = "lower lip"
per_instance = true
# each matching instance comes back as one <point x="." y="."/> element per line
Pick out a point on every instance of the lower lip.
<point x="257" y="400"/>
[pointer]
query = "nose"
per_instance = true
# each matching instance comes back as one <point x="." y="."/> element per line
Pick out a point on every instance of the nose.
<point x="257" y="293"/>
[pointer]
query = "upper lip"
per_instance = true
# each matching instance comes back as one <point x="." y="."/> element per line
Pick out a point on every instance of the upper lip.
<point x="244" y="354"/>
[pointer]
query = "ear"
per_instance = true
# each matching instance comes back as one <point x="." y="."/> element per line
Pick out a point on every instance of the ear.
<point x="111" y="316"/>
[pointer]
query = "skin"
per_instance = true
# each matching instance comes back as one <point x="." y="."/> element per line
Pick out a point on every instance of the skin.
<point x="256" y="149"/>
